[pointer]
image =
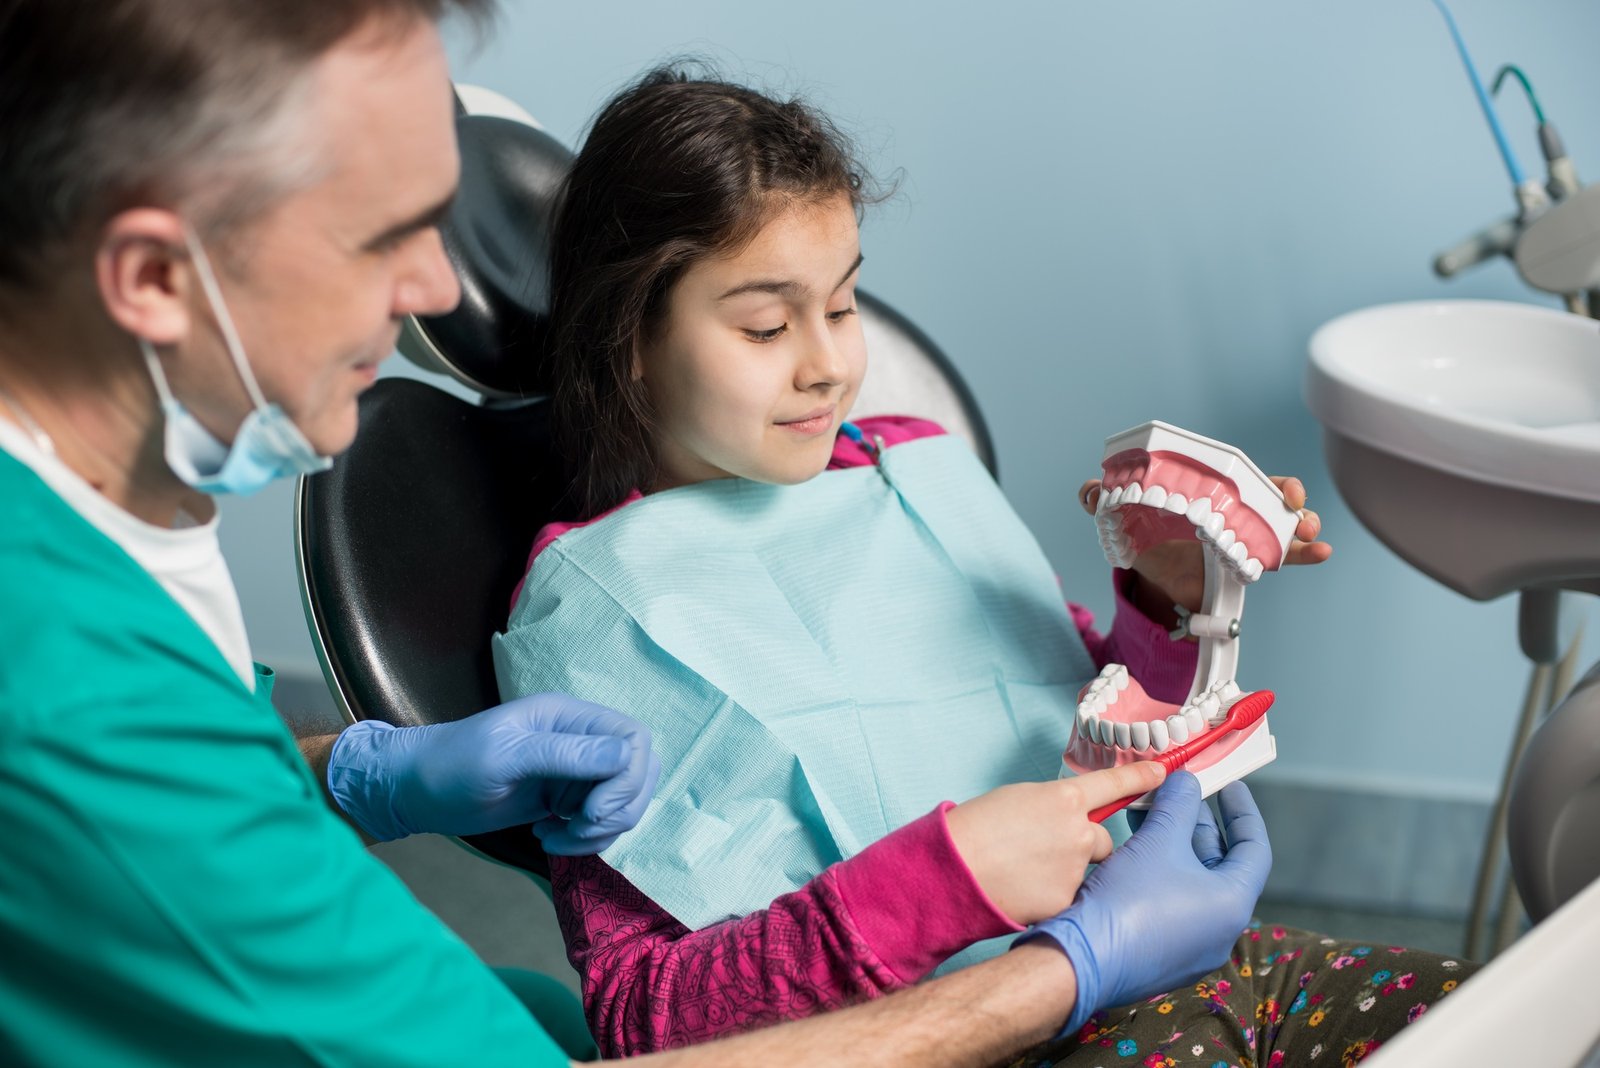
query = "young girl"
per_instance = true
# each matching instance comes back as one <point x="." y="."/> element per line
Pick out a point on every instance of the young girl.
<point x="830" y="628"/>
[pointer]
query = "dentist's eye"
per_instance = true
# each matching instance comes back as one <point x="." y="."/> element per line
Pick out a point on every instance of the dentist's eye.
<point x="841" y="315"/>
<point x="761" y="337"/>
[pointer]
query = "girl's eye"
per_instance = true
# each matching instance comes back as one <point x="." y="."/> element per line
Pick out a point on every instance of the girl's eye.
<point x="842" y="314"/>
<point x="763" y="336"/>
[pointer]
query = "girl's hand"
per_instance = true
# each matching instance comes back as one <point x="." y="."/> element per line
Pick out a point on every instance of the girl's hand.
<point x="1028" y="844"/>
<point x="1174" y="571"/>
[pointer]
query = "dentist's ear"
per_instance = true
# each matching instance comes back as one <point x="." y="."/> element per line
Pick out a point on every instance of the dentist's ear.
<point x="141" y="271"/>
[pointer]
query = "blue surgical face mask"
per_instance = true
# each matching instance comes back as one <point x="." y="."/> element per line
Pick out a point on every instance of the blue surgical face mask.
<point x="267" y="445"/>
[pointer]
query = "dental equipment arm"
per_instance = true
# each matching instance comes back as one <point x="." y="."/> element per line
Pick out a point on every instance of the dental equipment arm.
<point x="1166" y="907"/>
<point x="1531" y="197"/>
<point x="1554" y="239"/>
<point x="1497" y="239"/>
<point x="1562" y="175"/>
<point x="580" y="773"/>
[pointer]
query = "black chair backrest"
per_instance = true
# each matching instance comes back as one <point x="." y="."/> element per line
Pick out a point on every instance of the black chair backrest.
<point x="497" y="237"/>
<point x="411" y="546"/>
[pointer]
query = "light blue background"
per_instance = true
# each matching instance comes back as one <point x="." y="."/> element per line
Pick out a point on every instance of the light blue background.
<point x="1116" y="211"/>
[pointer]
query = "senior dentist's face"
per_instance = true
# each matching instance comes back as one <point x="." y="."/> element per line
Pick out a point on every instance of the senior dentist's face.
<point x="761" y="354"/>
<point x="318" y="286"/>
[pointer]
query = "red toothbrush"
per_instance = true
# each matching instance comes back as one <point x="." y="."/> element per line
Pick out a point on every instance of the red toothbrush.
<point x="1244" y="712"/>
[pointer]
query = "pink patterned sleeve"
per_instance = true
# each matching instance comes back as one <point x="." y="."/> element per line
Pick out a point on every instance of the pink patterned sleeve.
<point x="870" y="925"/>
<point x="1164" y="668"/>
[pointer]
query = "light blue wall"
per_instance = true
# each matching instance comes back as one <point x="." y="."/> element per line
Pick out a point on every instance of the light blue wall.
<point x="1118" y="211"/>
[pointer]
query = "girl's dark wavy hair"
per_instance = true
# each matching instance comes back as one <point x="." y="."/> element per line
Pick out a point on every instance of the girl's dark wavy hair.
<point x="675" y="168"/>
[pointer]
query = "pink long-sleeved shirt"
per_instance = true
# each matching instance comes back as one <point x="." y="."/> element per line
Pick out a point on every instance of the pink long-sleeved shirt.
<point x="869" y="925"/>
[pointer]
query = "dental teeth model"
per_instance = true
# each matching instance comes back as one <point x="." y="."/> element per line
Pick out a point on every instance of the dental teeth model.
<point x="1164" y="484"/>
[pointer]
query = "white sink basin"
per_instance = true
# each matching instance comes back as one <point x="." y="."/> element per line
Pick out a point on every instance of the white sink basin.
<point x="1466" y="435"/>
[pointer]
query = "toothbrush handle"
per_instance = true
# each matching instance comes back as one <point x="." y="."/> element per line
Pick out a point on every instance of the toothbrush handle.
<point x="1247" y="710"/>
<point x="1172" y="759"/>
<point x="1105" y="812"/>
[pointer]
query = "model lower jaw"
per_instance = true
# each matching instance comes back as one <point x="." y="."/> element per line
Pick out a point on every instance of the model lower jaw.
<point x="1118" y="723"/>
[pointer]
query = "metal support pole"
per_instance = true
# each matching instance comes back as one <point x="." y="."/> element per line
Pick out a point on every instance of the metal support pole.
<point x="1509" y="925"/>
<point x="1489" y="862"/>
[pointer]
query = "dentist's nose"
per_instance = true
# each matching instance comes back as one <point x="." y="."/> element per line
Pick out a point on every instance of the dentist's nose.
<point x="429" y="285"/>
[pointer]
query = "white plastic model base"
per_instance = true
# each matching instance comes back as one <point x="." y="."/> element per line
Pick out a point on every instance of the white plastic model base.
<point x="1162" y="484"/>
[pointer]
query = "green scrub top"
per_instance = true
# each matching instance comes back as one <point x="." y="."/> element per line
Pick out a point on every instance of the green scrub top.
<point x="173" y="889"/>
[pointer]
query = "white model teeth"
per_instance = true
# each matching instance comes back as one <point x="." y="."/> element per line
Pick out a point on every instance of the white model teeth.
<point x="1114" y="675"/>
<point x="1199" y="714"/>
<point x="1209" y="527"/>
<point x="1159" y="738"/>
<point x="1139" y="734"/>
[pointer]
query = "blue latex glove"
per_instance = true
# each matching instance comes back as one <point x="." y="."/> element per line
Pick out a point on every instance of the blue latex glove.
<point x="1167" y="907"/>
<point x="580" y="773"/>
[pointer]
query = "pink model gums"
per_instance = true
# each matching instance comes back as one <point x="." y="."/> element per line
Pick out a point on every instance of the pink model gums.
<point x="1245" y="713"/>
<point x="1163" y="484"/>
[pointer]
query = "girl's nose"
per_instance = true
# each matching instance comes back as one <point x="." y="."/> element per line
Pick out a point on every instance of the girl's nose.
<point x="822" y="364"/>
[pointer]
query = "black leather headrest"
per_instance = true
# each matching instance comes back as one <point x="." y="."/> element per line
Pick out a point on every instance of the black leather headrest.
<point x="498" y="239"/>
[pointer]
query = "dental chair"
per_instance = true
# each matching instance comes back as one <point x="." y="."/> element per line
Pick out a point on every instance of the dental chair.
<point x="410" y="546"/>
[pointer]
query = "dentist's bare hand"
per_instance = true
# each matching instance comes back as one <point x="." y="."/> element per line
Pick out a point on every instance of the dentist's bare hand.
<point x="1028" y="844"/>
<point x="1174" y="571"/>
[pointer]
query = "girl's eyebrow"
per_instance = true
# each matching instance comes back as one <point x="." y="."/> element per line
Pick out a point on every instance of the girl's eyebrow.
<point x="784" y="287"/>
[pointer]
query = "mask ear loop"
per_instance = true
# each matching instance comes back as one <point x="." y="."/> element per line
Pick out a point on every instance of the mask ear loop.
<point x="219" y="310"/>
<point x="157" y="375"/>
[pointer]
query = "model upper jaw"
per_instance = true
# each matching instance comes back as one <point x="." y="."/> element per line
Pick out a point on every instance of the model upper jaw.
<point x="1150" y="497"/>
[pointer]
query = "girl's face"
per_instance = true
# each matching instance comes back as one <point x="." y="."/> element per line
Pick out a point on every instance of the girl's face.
<point x="760" y="355"/>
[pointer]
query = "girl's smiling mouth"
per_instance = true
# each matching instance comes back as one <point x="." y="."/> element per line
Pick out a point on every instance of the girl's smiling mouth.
<point x="813" y="422"/>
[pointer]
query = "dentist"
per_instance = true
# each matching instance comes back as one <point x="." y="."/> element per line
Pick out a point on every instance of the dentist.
<point x="215" y="213"/>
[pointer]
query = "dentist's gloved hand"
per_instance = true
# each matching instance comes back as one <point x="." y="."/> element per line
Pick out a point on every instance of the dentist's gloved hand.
<point x="1167" y="907"/>
<point x="580" y="773"/>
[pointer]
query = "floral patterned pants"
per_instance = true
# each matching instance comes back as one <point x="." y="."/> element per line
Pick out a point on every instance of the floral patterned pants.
<point x="1286" y="998"/>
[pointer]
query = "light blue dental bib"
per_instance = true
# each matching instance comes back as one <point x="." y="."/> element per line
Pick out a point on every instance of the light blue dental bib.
<point x="820" y="664"/>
